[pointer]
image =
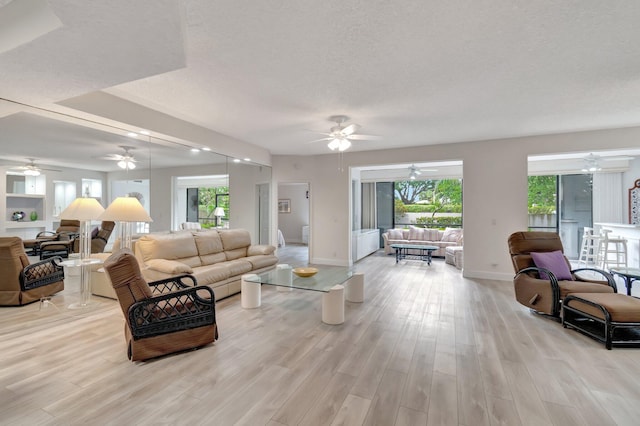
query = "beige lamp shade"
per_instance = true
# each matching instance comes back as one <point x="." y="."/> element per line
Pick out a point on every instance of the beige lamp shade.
<point x="83" y="209"/>
<point x="219" y="212"/>
<point x="126" y="209"/>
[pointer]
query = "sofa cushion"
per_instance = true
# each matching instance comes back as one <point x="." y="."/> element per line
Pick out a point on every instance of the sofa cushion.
<point x="210" y="247"/>
<point x="452" y="234"/>
<point x="262" y="261"/>
<point x="432" y="234"/>
<point x="235" y="238"/>
<point x="180" y="246"/>
<point x="208" y="242"/>
<point x="211" y="273"/>
<point x="238" y="266"/>
<point x="172" y="267"/>
<point x="553" y="261"/>
<point x="260" y="250"/>
<point x="395" y="234"/>
<point x="416" y="233"/>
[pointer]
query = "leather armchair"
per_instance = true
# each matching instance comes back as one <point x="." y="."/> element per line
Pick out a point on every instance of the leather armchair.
<point x="66" y="231"/>
<point x="22" y="282"/>
<point x="164" y="316"/>
<point x="545" y="295"/>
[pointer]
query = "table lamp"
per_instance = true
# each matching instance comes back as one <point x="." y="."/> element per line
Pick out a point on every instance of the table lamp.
<point x="125" y="211"/>
<point x="218" y="213"/>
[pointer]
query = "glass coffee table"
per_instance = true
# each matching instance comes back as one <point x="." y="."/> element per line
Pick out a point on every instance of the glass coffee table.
<point x="402" y="252"/>
<point x="330" y="281"/>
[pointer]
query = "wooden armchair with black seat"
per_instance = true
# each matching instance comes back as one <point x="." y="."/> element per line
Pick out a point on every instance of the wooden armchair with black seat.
<point x="66" y="231"/>
<point x="161" y="317"/>
<point x="22" y="282"/>
<point x="544" y="276"/>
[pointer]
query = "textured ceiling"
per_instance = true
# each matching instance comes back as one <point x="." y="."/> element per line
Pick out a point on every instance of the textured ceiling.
<point x="414" y="72"/>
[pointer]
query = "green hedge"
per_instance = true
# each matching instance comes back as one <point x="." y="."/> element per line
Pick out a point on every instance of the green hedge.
<point x="440" y="221"/>
<point x="428" y="208"/>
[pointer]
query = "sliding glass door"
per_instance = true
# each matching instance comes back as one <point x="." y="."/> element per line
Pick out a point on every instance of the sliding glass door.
<point x="562" y="204"/>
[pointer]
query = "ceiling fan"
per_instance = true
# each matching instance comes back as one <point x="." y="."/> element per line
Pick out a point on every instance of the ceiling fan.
<point x="341" y="135"/>
<point x="593" y="162"/>
<point x="414" y="172"/>
<point x="31" y="169"/>
<point x="125" y="161"/>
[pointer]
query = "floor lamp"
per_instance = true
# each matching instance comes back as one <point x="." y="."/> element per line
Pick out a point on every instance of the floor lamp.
<point x="85" y="210"/>
<point x="125" y="211"/>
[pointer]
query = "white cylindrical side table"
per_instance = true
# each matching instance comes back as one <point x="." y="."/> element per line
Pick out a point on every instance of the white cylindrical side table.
<point x="333" y="306"/>
<point x="354" y="291"/>
<point x="250" y="292"/>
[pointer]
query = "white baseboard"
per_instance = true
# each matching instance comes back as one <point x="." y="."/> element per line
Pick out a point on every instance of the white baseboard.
<point x="488" y="275"/>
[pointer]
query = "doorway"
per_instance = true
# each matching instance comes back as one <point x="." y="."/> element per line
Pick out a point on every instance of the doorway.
<point x="294" y="232"/>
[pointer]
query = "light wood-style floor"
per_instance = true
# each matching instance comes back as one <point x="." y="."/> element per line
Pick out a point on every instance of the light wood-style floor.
<point x="427" y="347"/>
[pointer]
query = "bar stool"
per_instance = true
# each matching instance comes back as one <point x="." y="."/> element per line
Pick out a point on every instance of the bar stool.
<point x="589" y="249"/>
<point x="612" y="252"/>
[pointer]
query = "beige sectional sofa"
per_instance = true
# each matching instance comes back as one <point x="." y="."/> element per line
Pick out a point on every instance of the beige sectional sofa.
<point x="423" y="236"/>
<point x="217" y="258"/>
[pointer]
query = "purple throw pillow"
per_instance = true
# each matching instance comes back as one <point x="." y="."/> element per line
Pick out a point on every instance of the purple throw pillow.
<point x="553" y="261"/>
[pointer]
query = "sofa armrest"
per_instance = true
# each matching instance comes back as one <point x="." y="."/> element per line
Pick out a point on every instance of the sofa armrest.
<point x="166" y="266"/>
<point x="256" y="250"/>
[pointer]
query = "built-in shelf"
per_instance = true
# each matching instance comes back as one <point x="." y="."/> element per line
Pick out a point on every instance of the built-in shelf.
<point x="25" y="224"/>
<point x="27" y="203"/>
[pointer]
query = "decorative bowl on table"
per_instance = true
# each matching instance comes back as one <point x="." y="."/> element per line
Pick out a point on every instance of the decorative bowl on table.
<point x="305" y="272"/>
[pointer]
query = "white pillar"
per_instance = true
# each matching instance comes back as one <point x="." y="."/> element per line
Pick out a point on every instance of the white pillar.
<point x="354" y="291"/>
<point x="333" y="306"/>
<point x="250" y="294"/>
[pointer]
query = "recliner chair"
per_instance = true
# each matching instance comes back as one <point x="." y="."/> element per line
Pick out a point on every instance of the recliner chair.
<point x="22" y="282"/>
<point x="164" y="316"/>
<point x="544" y="295"/>
<point x="66" y="231"/>
<point x="63" y="247"/>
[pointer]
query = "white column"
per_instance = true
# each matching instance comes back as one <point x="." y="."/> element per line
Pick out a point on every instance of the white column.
<point x="354" y="291"/>
<point x="250" y="292"/>
<point x="333" y="306"/>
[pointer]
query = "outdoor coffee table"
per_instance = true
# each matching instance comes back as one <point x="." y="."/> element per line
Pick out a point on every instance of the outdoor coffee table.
<point x="629" y="275"/>
<point x="328" y="280"/>
<point x="402" y="252"/>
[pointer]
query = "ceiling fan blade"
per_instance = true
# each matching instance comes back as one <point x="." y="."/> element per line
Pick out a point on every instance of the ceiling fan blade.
<point x="321" y="140"/>
<point x="364" y="137"/>
<point x="111" y="157"/>
<point x="350" y="129"/>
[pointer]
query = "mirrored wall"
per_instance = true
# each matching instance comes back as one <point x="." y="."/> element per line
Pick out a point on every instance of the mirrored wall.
<point x="48" y="159"/>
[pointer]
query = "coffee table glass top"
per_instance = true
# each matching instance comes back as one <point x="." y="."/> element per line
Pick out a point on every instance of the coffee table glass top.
<point x="631" y="272"/>
<point x="327" y="277"/>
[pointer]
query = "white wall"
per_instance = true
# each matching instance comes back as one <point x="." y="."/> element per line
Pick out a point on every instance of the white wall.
<point x="291" y="223"/>
<point x="495" y="191"/>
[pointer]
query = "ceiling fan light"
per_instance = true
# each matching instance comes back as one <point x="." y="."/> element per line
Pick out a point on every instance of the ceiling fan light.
<point x="32" y="172"/>
<point x="126" y="164"/>
<point x="334" y="144"/>
<point x="344" y="144"/>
